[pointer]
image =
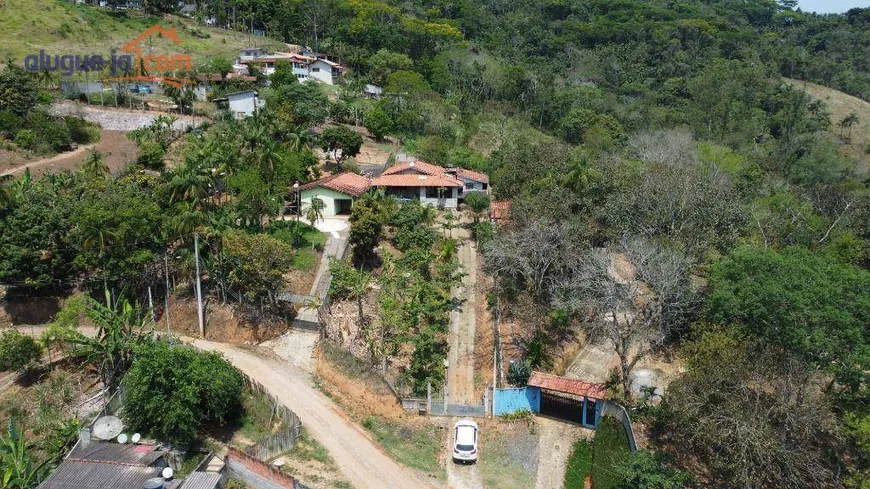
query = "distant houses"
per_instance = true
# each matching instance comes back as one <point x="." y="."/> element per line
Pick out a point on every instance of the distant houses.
<point x="241" y="104"/>
<point x="306" y="65"/>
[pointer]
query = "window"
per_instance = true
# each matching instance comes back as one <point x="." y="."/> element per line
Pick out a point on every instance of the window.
<point x="431" y="192"/>
<point x="316" y="70"/>
<point x="484" y="186"/>
<point x="469" y="185"/>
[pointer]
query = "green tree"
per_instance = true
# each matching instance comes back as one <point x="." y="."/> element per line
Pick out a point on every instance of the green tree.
<point x="257" y="264"/>
<point x="19" y="468"/>
<point x="17" y="94"/>
<point x="94" y="167"/>
<point x="848" y="122"/>
<point x="18" y="351"/>
<point x="174" y="391"/>
<point x="646" y="471"/>
<point x="120" y="329"/>
<point x="813" y="306"/>
<point x="342" y="142"/>
<point x="478" y="202"/>
<point x="385" y="62"/>
<point x="378" y="123"/>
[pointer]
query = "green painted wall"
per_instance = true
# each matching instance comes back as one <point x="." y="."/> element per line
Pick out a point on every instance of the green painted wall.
<point x="327" y="196"/>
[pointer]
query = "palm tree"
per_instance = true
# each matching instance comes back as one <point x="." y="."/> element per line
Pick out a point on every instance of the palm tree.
<point x="23" y="185"/>
<point x="299" y="138"/>
<point x="187" y="218"/>
<point x="94" y="167"/>
<point x="314" y="210"/>
<point x="188" y="183"/>
<point x="848" y="122"/>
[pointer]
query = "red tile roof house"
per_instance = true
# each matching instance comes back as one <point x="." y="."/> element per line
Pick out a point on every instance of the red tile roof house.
<point x="430" y="184"/>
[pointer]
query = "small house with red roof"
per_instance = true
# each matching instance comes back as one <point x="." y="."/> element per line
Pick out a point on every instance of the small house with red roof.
<point x="337" y="192"/>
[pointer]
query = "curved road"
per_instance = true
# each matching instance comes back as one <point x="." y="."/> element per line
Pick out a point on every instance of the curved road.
<point x="358" y="457"/>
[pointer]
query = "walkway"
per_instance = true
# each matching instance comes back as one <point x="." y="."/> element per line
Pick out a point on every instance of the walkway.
<point x="360" y="459"/>
<point x="463" y="321"/>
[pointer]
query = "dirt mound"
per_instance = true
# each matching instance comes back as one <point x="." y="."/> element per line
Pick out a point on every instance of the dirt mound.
<point x="222" y="323"/>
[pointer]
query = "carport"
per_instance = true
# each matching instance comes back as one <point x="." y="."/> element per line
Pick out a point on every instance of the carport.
<point x="570" y="399"/>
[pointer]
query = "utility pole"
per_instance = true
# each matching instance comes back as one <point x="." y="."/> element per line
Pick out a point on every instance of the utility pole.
<point x="198" y="286"/>
<point x="166" y="264"/>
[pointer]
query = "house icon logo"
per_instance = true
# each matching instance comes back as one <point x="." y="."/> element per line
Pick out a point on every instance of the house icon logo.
<point x="165" y="68"/>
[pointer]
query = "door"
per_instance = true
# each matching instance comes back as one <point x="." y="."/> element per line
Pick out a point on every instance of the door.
<point x="590" y="413"/>
<point x="342" y="206"/>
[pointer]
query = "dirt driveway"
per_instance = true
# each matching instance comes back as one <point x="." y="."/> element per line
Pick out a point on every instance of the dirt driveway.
<point x="463" y="321"/>
<point x="360" y="459"/>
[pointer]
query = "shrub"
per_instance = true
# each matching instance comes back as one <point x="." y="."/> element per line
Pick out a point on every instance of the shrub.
<point x="350" y="166"/>
<point x="25" y="138"/>
<point x="150" y="155"/>
<point x="174" y="391"/>
<point x="519" y="373"/>
<point x="18" y="351"/>
<point x="10" y="124"/>
<point x="416" y="237"/>
<point x="378" y="123"/>
<point x="477" y="202"/>
<point x="82" y="131"/>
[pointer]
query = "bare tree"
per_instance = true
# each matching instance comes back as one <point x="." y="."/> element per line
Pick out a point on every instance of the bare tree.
<point x="531" y="256"/>
<point x="634" y="297"/>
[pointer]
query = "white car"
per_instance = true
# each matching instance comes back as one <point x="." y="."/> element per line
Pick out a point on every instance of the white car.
<point x="465" y="441"/>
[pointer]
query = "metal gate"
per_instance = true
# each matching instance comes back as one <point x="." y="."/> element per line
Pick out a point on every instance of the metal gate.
<point x="562" y="408"/>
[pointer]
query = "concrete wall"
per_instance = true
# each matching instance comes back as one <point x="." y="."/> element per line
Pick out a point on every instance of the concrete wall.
<point x="256" y="474"/>
<point x="508" y="401"/>
<point x="323" y="73"/>
<point x="327" y="196"/>
<point x="244" y="104"/>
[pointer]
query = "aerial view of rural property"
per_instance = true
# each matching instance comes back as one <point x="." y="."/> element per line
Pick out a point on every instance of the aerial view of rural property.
<point x="435" y="244"/>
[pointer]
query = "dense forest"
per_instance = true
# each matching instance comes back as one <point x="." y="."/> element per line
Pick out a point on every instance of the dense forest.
<point x="659" y="131"/>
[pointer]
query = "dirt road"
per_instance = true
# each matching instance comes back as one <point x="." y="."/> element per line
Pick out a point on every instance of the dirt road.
<point x="358" y="457"/>
<point x="463" y="320"/>
<point x="558" y="439"/>
<point x="117" y="149"/>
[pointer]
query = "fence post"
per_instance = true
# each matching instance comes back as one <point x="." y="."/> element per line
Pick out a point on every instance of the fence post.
<point x="429" y="398"/>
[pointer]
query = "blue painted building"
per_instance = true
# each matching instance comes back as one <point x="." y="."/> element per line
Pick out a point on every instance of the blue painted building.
<point x="550" y="395"/>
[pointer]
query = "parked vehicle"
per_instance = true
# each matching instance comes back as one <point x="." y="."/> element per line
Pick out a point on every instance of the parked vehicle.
<point x="465" y="441"/>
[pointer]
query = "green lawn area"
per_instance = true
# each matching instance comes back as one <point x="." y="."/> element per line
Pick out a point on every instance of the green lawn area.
<point x="417" y="445"/>
<point x="579" y="465"/>
<point x="609" y="450"/>
<point x="306" y="242"/>
<point x="60" y="27"/>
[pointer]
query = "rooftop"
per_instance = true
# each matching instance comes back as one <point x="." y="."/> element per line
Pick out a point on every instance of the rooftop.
<point x="108" y="465"/>
<point x="500" y="210"/>
<point x="472" y="175"/>
<point x="418" y="166"/>
<point x="347" y="183"/>
<point x="419" y="180"/>
<point x="565" y="385"/>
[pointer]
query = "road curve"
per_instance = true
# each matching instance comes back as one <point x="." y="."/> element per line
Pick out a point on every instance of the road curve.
<point x="357" y="456"/>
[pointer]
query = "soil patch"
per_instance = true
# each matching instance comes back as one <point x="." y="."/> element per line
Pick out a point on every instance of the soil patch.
<point x="222" y="323"/>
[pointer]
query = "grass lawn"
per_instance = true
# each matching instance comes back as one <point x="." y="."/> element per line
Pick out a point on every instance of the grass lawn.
<point x="417" y="445"/>
<point x="306" y="243"/>
<point x="579" y="465"/>
<point x="60" y="27"/>
<point x="609" y="450"/>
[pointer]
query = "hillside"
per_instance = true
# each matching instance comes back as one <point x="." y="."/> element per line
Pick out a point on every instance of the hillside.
<point x="61" y="28"/>
<point x="841" y="105"/>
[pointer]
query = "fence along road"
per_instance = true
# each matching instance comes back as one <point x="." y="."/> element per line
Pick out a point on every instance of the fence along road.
<point x="357" y="456"/>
